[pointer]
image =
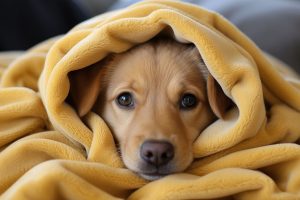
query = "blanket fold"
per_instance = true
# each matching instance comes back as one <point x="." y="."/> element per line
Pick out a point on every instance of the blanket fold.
<point x="48" y="152"/>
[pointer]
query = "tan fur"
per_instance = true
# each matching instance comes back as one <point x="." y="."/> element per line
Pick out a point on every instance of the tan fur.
<point x="157" y="74"/>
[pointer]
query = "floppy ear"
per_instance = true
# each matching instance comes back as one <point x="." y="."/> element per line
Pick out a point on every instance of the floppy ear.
<point x="85" y="86"/>
<point x="217" y="99"/>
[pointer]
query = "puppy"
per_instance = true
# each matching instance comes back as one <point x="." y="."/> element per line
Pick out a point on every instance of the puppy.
<point x="157" y="98"/>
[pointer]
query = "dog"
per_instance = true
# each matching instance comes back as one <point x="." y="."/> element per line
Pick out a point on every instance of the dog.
<point x="156" y="98"/>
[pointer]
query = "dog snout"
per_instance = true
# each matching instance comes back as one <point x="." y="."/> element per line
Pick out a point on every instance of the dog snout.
<point x="157" y="153"/>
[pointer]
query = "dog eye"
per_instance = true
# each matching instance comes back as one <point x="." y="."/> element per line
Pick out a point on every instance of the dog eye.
<point x="188" y="101"/>
<point x="125" y="99"/>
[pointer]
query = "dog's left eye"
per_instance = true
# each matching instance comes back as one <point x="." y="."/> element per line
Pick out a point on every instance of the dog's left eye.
<point x="188" y="101"/>
<point x="125" y="100"/>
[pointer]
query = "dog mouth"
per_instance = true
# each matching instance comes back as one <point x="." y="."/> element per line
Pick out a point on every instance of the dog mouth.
<point x="152" y="176"/>
<point x="152" y="173"/>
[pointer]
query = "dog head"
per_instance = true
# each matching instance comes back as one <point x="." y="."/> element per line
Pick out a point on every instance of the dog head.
<point x="156" y="97"/>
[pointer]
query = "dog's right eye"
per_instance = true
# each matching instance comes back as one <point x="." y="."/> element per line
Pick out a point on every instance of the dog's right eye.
<point x="125" y="100"/>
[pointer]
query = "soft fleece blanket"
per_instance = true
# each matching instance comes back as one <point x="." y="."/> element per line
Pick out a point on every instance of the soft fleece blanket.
<point x="48" y="152"/>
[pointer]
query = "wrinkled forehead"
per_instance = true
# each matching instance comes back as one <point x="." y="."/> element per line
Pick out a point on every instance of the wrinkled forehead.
<point x="159" y="64"/>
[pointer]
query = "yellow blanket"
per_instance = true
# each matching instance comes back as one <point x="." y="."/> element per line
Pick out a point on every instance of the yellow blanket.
<point x="48" y="152"/>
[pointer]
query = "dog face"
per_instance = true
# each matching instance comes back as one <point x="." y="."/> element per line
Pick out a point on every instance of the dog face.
<point x="155" y="99"/>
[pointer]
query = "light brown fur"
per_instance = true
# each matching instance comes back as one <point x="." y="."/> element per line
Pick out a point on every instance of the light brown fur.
<point x="157" y="73"/>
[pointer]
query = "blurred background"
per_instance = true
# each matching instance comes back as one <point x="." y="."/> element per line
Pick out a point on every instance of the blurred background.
<point x="274" y="25"/>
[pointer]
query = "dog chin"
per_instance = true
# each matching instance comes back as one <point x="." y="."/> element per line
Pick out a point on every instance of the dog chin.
<point x="152" y="177"/>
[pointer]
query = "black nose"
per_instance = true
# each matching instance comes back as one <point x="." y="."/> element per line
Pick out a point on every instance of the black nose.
<point x="157" y="152"/>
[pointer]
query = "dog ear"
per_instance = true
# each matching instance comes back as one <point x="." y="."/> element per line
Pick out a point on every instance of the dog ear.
<point x="86" y="85"/>
<point x="217" y="99"/>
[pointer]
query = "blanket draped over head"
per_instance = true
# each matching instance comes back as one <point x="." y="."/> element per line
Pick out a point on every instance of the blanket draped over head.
<point x="48" y="152"/>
